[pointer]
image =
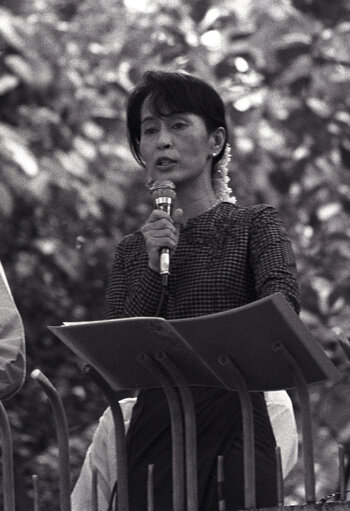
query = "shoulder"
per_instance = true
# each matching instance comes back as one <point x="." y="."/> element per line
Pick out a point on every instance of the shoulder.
<point x="256" y="210"/>
<point x="249" y="215"/>
<point x="265" y="224"/>
<point x="235" y="208"/>
<point x="259" y="222"/>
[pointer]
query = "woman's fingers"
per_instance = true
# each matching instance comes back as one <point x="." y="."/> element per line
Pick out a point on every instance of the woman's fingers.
<point x="159" y="225"/>
<point x="178" y="216"/>
<point x="159" y="232"/>
<point x="161" y="238"/>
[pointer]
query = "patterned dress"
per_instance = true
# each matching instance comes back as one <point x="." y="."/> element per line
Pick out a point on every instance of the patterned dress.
<point x="227" y="257"/>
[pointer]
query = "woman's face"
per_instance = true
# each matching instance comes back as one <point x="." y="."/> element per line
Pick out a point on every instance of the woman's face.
<point x="176" y="147"/>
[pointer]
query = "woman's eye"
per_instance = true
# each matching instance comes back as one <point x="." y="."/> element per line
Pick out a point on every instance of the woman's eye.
<point x="149" y="131"/>
<point x="179" y="125"/>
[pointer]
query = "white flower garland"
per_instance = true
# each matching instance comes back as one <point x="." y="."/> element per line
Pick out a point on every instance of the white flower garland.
<point x="220" y="178"/>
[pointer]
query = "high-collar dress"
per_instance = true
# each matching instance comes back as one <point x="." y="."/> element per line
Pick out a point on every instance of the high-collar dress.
<point x="227" y="257"/>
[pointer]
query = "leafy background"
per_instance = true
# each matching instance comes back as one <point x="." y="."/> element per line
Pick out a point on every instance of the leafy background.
<point x="69" y="189"/>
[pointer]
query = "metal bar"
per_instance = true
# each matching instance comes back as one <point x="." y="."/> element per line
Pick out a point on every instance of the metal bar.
<point x="280" y="486"/>
<point x="190" y="430"/>
<point x="150" y="488"/>
<point x="221" y="480"/>
<point x="35" y="481"/>
<point x="238" y="383"/>
<point x="342" y="489"/>
<point x="7" y="461"/>
<point x="62" y="437"/>
<point x="176" y="429"/>
<point x="122" y="503"/>
<point x="306" y="423"/>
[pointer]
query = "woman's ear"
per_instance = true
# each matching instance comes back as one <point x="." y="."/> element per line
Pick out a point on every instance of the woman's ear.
<point x="218" y="140"/>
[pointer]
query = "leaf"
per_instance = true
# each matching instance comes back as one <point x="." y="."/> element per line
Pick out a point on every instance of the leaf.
<point x="8" y="132"/>
<point x="342" y="117"/>
<point x="328" y="211"/>
<point x="270" y="138"/>
<point x="73" y="163"/>
<point x="319" y="107"/>
<point x="20" y="67"/>
<point x="8" y="83"/>
<point x="250" y="100"/>
<point x="9" y="32"/>
<point x="323" y="288"/>
<point x="335" y="44"/>
<point x="92" y="130"/>
<point x="36" y="73"/>
<point x="21" y="155"/>
<point x="85" y="148"/>
<point x="46" y="246"/>
<point x="295" y="40"/>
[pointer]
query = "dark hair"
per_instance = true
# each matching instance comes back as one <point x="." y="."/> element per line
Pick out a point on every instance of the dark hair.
<point x="174" y="93"/>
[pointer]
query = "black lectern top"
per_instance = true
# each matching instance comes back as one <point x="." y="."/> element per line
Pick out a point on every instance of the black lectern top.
<point x="250" y="336"/>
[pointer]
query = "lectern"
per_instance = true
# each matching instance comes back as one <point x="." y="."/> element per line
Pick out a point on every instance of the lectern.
<point x="258" y="347"/>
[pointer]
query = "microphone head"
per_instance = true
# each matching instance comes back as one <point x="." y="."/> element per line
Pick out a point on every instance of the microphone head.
<point x="163" y="188"/>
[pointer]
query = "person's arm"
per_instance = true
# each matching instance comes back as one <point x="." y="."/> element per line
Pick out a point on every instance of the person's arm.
<point x="135" y="286"/>
<point x="272" y="258"/>
<point x="12" y="347"/>
<point x="139" y="299"/>
<point x="274" y="267"/>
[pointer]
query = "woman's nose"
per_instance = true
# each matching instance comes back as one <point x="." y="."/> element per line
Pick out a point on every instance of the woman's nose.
<point x="164" y="139"/>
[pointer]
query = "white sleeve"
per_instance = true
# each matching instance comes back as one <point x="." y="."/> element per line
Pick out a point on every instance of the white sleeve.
<point x="281" y="413"/>
<point x="100" y="457"/>
<point x="12" y="342"/>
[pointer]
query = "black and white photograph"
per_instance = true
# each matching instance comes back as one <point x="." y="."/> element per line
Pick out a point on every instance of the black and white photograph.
<point x="174" y="255"/>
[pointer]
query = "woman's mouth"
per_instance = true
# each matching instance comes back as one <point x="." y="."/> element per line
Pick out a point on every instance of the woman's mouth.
<point x="164" y="162"/>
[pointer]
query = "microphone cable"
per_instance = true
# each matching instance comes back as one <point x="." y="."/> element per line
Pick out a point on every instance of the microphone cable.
<point x="161" y="299"/>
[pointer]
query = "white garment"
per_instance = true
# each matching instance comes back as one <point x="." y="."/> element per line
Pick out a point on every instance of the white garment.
<point x="280" y="410"/>
<point x="101" y="453"/>
<point x="12" y="342"/>
<point x="101" y="457"/>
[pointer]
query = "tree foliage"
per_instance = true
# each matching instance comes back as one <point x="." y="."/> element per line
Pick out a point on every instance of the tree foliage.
<point x="69" y="189"/>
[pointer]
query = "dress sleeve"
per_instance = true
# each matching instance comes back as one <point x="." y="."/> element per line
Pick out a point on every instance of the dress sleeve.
<point x="126" y="298"/>
<point x="272" y="258"/>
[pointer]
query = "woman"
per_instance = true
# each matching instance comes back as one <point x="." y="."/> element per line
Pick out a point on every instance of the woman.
<point x="222" y="256"/>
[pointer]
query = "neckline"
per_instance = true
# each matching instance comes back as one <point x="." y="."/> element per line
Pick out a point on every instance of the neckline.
<point x="194" y="220"/>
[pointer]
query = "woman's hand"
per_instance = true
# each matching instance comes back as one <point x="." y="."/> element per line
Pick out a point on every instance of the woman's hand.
<point x="161" y="231"/>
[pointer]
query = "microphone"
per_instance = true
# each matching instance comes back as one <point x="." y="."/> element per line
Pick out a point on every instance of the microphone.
<point x="163" y="194"/>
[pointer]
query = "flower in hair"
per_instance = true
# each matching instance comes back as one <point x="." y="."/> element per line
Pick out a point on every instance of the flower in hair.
<point x="220" y="177"/>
